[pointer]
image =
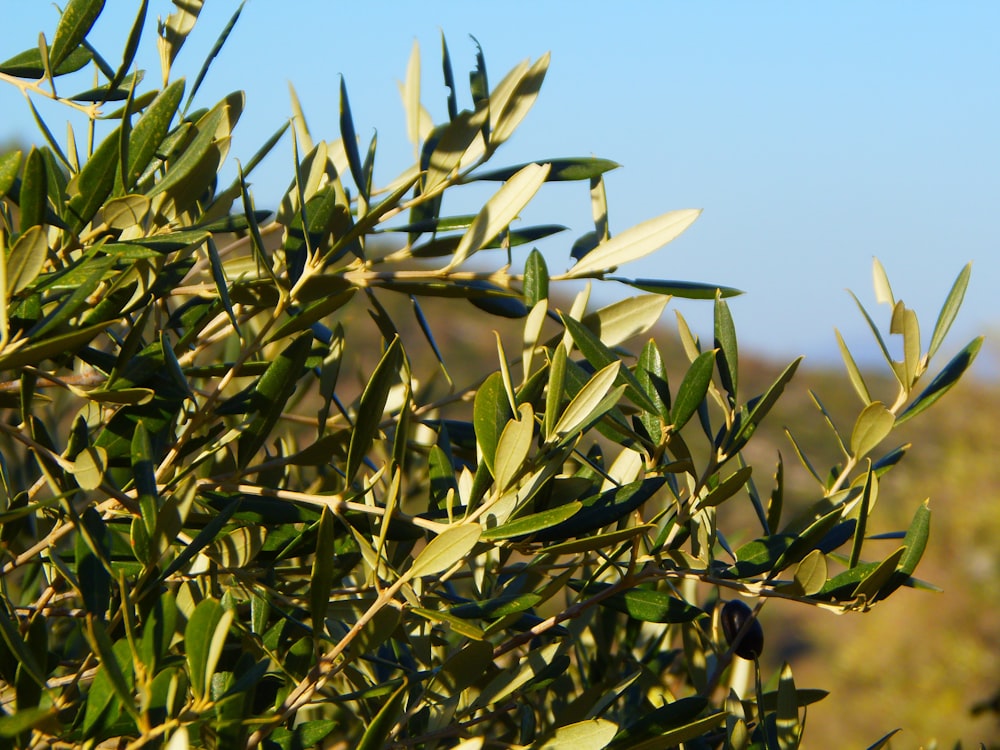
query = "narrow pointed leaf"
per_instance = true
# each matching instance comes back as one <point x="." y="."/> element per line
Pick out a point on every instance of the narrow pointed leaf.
<point x="74" y="24"/>
<point x="682" y="289"/>
<point x="377" y="732"/>
<point x="34" y="191"/>
<point x="26" y="259"/>
<point x="598" y="354"/>
<point x="149" y="132"/>
<point x="853" y="372"/>
<point x="915" y="542"/>
<point x="372" y="406"/>
<point x="527" y="525"/>
<point x="10" y="164"/>
<point x="603" y="509"/>
<point x="726" y="356"/>
<point x="949" y="310"/>
<point x="634" y="243"/>
<point x="592" y="734"/>
<point x="491" y="413"/>
<point x="944" y="380"/>
<point x="499" y="211"/>
<point x="883" y="292"/>
<point x="536" y="279"/>
<point x="692" y="389"/>
<point x="576" y="168"/>
<point x="447" y="548"/>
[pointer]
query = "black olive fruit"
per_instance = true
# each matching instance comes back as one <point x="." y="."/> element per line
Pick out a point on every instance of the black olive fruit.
<point x="734" y="614"/>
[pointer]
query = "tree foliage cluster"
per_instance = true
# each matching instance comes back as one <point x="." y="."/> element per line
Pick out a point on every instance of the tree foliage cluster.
<point x="210" y="539"/>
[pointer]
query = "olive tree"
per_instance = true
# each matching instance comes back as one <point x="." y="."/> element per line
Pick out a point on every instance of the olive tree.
<point x="213" y="537"/>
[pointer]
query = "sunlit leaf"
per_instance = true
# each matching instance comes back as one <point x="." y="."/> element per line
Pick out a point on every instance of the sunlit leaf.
<point x="692" y="389"/>
<point x="372" y="405"/>
<point x="949" y="310"/>
<point x="634" y="243"/>
<point x="446" y="549"/>
<point x="499" y="211"/>
<point x="74" y="24"/>
<point x="874" y="423"/>
<point x="944" y="380"/>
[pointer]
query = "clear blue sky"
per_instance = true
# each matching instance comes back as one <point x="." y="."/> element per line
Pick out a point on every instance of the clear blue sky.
<point x="813" y="135"/>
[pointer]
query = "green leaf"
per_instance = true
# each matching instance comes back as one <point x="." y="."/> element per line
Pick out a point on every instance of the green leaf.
<point x="944" y="380"/>
<point x="323" y="569"/>
<point x="948" y="311"/>
<point x="492" y="609"/>
<point x="377" y="732"/>
<point x="271" y="393"/>
<point x="599" y="355"/>
<point x="28" y="64"/>
<point x="57" y="346"/>
<point x="853" y="372"/>
<point x="877" y="577"/>
<point x="26" y="259"/>
<point x="372" y="405"/>
<point x="589" y="403"/>
<point x="350" y="140"/>
<point x="904" y="322"/>
<point x="760" y="407"/>
<point x="126" y="212"/>
<point x="874" y="423"/>
<point x="605" y="540"/>
<point x="214" y="127"/>
<point x="883" y="292"/>
<point x="787" y="719"/>
<point x="131" y="45"/>
<point x="726" y="356"/>
<point x="18" y="648"/>
<point x="884" y="740"/>
<point x="648" y="605"/>
<point x="444" y="149"/>
<point x="868" y="495"/>
<point x="536" y="278"/>
<point x="491" y="413"/>
<point x="692" y="390"/>
<point x="634" y="243"/>
<point x="25" y="719"/>
<point x="603" y="509"/>
<point x="622" y="320"/>
<point x="513" y="447"/>
<point x="651" y="374"/>
<point x="214" y="52"/>
<point x="116" y="663"/>
<point x="447" y="548"/>
<point x="10" y="164"/>
<point x="658" y="722"/>
<point x="726" y="488"/>
<point x="527" y="525"/>
<point x="811" y="573"/>
<point x="510" y="101"/>
<point x="915" y="542"/>
<point x="683" y="289"/>
<point x="148" y="133"/>
<point x="591" y="734"/>
<point x="94" y="182"/>
<point x="499" y="212"/>
<point x="34" y="191"/>
<point x="74" y="24"/>
<point x="575" y="168"/>
<point x="878" y="337"/>
<point x="204" y="636"/>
